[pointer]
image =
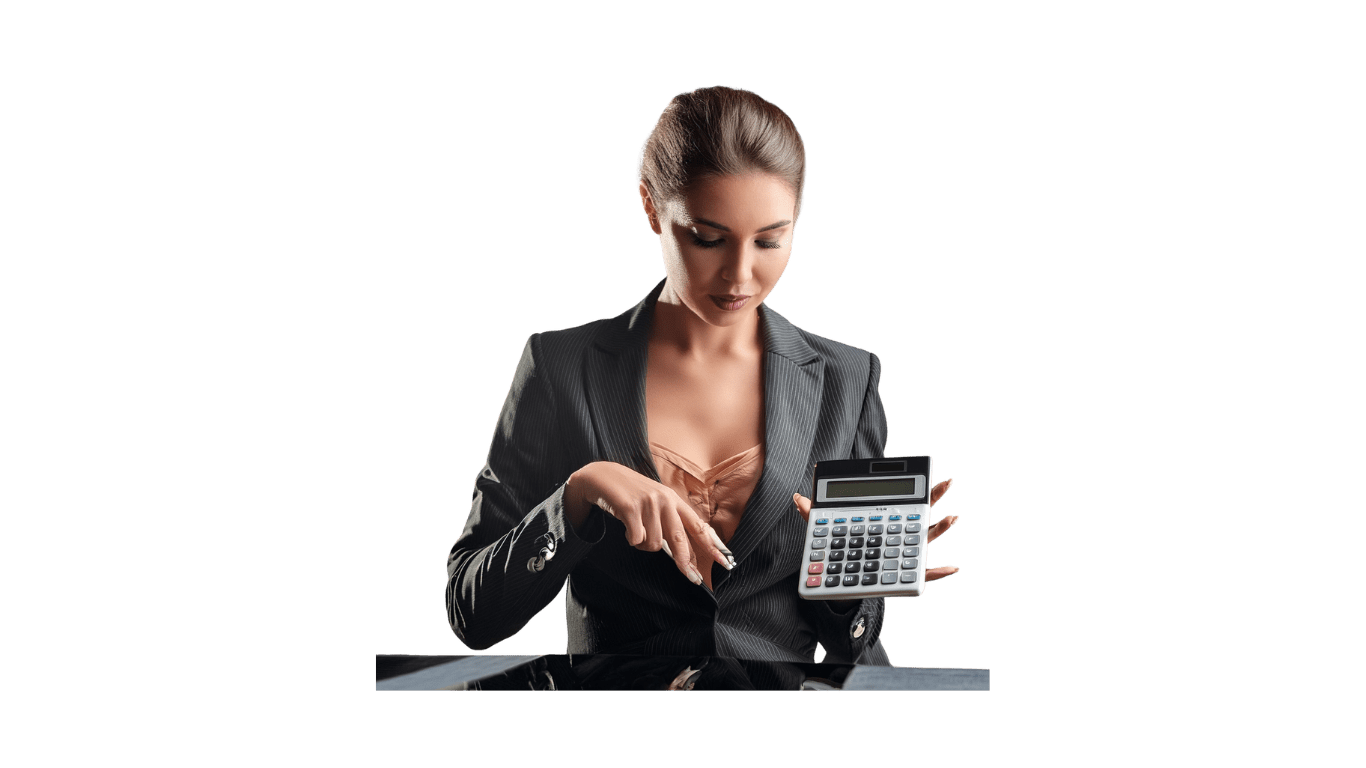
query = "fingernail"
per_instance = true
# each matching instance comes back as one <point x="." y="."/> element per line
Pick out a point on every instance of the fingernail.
<point x="694" y="576"/>
<point x="720" y="545"/>
<point x="667" y="551"/>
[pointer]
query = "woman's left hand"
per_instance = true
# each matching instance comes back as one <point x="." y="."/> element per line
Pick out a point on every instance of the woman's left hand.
<point x="931" y="533"/>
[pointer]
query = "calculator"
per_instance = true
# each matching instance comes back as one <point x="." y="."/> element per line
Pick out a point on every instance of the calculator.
<point x="866" y="533"/>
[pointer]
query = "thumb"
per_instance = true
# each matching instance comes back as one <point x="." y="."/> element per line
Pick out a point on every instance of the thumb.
<point x="803" y="505"/>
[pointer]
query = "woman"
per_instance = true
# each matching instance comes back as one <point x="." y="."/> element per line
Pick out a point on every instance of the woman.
<point x="598" y="471"/>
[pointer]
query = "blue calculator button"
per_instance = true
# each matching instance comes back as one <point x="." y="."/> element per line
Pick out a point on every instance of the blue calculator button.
<point x="894" y="517"/>
<point x="822" y="521"/>
<point x="858" y="520"/>
<point x="875" y="517"/>
<point x="839" y="520"/>
<point x="913" y="517"/>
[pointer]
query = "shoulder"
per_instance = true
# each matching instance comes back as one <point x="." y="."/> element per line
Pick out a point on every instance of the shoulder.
<point x="559" y="356"/>
<point x="844" y="360"/>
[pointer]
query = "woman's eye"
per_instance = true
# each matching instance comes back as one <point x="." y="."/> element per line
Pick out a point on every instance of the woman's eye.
<point x="699" y="242"/>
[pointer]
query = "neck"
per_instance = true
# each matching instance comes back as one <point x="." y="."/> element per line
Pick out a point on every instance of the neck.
<point x="678" y="326"/>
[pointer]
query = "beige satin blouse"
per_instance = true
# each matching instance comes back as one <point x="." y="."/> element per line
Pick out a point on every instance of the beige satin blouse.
<point x="718" y="495"/>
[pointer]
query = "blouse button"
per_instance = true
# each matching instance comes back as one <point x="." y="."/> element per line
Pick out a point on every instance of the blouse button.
<point x="858" y="628"/>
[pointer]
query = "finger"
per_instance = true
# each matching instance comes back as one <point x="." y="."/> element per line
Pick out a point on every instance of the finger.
<point x="635" y="530"/>
<point x="939" y="490"/>
<point x="937" y="530"/>
<point x="702" y="539"/>
<point x="676" y="543"/>
<point x="705" y="542"/>
<point x="803" y="505"/>
<point x="938" y="573"/>
<point x="654" y="534"/>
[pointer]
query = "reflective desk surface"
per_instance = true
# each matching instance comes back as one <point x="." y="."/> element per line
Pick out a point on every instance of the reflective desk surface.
<point x="611" y="672"/>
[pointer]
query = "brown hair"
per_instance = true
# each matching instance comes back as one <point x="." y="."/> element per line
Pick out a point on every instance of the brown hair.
<point x="720" y="131"/>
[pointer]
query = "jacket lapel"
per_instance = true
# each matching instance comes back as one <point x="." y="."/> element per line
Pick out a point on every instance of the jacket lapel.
<point x="615" y="378"/>
<point x="793" y="376"/>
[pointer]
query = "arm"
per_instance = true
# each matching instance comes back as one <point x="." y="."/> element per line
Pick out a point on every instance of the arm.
<point x="837" y="621"/>
<point x="519" y="505"/>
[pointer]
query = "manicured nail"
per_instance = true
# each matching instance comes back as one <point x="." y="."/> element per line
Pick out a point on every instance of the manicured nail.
<point x="667" y="551"/>
<point x="694" y="576"/>
<point x="729" y="562"/>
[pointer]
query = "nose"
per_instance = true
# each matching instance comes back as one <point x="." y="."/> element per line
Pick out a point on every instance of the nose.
<point x="739" y="267"/>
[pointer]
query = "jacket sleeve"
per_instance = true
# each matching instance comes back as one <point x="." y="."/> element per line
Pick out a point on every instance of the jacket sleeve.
<point x="836" y="630"/>
<point x="493" y="585"/>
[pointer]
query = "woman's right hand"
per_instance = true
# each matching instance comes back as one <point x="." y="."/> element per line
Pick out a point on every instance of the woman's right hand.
<point x="655" y="517"/>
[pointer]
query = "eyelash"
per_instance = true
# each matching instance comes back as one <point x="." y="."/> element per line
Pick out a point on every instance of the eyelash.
<point x="717" y="243"/>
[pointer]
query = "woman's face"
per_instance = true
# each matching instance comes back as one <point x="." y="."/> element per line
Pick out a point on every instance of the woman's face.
<point x="726" y="243"/>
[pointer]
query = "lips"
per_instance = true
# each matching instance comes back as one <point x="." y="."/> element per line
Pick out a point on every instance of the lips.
<point x="729" y="302"/>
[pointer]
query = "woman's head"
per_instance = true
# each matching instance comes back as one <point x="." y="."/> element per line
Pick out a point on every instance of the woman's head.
<point x="721" y="182"/>
<point x="720" y="131"/>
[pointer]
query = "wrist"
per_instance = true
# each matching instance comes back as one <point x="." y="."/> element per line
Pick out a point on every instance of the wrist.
<point x="575" y="503"/>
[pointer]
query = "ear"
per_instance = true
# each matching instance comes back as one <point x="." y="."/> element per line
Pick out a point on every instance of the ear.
<point x="650" y="212"/>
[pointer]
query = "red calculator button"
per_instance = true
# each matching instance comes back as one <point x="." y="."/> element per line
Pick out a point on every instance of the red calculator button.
<point x="815" y="568"/>
<point x="813" y="581"/>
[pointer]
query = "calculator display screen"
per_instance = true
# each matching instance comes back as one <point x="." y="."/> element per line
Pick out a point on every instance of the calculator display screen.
<point x="844" y="489"/>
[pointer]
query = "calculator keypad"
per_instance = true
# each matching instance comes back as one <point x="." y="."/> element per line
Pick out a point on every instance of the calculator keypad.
<point x="860" y="554"/>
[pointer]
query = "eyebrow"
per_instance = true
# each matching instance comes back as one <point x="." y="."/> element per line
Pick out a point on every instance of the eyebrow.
<point x="724" y="228"/>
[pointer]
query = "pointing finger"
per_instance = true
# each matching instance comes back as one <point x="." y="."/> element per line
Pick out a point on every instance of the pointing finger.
<point x="938" y="573"/>
<point x="803" y="505"/>
<point x="937" y="530"/>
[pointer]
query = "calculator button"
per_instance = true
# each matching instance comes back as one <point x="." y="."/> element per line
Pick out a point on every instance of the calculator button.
<point x="889" y="565"/>
<point x="816" y="557"/>
<point x="818" y="544"/>
<point x="871" y="565"/>
<point x="912" y="540"/>
<point x="856" y="519"/>
<point x="912" y="517"/>
<point x="913" y="528"/>
<point x="837" y="543"/>
<point x="839" y="520"/>
<point x="835" y="568"/>
<point x="889" y="578"/>
<point x="857" y="530"/>
<point x="836" y="555"/>
<point x="856" y="542"/>
<point x="840" y="530"/>
<point x="850" y="580"/>
<point x="855" y="554"/>
<point x="907" y="577"/>
<point x="891" y="552"/>
<point x="869" y="578"/>
<point x="893" y="541"/>
<point x="815" y="568"/>
<point x="910" y="552"/>
<point x="813" y="581"/>
<point x="871" y="554"/>
<point x="821" y="532"/>
<point x="894" y="528"/>
<point x="832" y="581"/>
<point x="874" y="541"/>
<point x="894" y="517"/>
<point x="822" y="521"/>
<point x="875" y="518"/>
<point x="908" y="564"/>
<point x="874" y="530"/>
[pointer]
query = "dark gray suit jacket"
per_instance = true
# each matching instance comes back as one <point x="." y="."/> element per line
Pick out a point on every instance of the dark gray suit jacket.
<point x="579" y="396"/>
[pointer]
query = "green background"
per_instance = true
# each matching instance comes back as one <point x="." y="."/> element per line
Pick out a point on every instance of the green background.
<point x="268" y="269"/>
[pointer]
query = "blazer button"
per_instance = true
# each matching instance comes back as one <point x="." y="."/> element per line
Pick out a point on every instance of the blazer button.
<point x="858" y="628"/>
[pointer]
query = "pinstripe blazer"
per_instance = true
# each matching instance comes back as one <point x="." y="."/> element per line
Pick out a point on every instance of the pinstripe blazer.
<point x="578" y="396"/>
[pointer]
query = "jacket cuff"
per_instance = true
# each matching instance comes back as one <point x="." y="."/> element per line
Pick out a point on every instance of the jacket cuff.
<point x="859" y="626"/>
<point x="572" y="545"/>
